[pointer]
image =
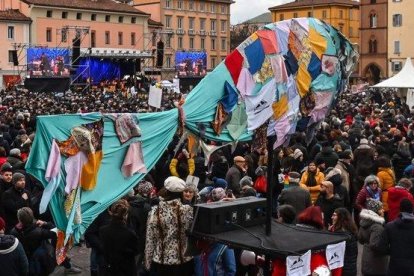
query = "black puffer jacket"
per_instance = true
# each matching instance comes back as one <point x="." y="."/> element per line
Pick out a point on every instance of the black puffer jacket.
<point x="397" y="240"/>
<point x="13" y="261"/>
<point x="327" y="156"/>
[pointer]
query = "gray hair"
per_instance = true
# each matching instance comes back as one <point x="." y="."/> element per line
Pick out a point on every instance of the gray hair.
<point x="371" y="178"/>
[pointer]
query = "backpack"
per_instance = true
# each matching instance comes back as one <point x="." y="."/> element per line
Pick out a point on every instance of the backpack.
<point x="43" y="260"/>
<point x="260" y="185"/>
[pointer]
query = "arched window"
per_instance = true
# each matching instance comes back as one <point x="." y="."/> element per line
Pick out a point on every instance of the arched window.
<point x="373" y="20"/>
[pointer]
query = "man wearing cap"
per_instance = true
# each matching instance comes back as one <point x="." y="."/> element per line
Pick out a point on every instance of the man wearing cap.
<point x="15" y="158"/>
<point x="6" y="178"/>
<point x="235" y="174"/>
<point x="294" y="195"/>
<point x="13" y="199"/>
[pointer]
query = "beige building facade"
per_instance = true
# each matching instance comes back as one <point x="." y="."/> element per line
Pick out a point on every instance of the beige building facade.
<point x="14" y="30"/>
<point x="193" y="26"/>
<point x="400" y="26"/>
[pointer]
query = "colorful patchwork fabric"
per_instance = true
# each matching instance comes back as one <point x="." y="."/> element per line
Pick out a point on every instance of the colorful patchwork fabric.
<point x="268" y="40"/>
<point x="246" y="83"/>
<point x="126" y="127"/>
<point x="279" y="68"/>
<point x="68" y="147"/>
<point x="259" y="107"/>
<point x="255" y="56"/>
<point x="238" y="122"/>
<point x="73" y="168"/>
<point x="303" y="80"/>
<point x="280" y="107"/>
<point x="234" y="63"/>
<point x="229" y="101"/>
<point x="329" y="64"/>
<point x="90" y="170"/>
<point x="317" y="42"/>
<point x="314" y="66"/>
<point x="219" y="119"/>
<point x="291" y="63"/>
<point x="265" y="73"/>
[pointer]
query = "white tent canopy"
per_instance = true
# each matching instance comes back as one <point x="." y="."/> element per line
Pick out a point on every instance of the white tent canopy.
<point x="404" y="79"/>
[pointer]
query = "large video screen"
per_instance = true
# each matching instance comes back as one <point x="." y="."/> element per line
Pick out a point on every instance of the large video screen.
<point x="191" y="64"/>
<point x="48" y="62"/>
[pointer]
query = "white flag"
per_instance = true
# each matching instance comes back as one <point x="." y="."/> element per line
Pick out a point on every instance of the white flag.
<point x="335" y="255"/>
<point x="298" y="265"/>
<point x="259" y="106"/>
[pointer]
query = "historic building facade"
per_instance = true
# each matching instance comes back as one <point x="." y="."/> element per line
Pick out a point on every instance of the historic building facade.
<point x="342" y="14"/>
<point x="400" y="25"/>
<point x="193" y="26"/>
<point x="373" y="63"/>
<point x="14" y="26"/>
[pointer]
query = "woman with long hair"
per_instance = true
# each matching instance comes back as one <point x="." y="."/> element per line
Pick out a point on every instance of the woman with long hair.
<point x="342" y="222"/>
<point x="311" y="180"/>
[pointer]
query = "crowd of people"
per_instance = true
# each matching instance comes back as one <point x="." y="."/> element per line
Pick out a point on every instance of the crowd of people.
<point x="354" y="177"/>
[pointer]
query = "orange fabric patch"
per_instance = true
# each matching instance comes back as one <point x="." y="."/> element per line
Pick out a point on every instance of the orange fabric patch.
<point x="89" y="175"/>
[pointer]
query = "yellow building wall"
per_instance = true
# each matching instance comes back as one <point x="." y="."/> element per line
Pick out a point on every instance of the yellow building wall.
<point x="344" y="18"/>
<point x="400" y="33"/>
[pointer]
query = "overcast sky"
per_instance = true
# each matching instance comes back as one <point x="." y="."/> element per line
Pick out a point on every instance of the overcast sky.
<point x="243" y="10"/>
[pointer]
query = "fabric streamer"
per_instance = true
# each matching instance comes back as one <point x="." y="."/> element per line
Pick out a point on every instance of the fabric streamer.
<point x="234" y="63"/>
<point x="134" y="161"/>
<point x="52" y="175"/>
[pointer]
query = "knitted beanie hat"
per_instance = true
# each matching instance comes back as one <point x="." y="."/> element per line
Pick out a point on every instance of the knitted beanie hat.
<point x="246" y="181"/>
<point x="144" y="188"/>
<point x="218" y="194"/>
<point x="16" y="177"/>
<point x="374" y="205"/>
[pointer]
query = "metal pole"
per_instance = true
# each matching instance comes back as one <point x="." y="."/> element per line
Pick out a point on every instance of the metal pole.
<point x="270" y="163"/>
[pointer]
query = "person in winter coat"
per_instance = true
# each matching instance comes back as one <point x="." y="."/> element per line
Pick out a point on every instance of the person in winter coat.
<point x="334" y="175"/>
<point x="371" y="223"/>
<point x="386" y="177"/>
<point x="397" y="238"/>
<point x="328" y="202"/>
<point x="294" y="195"/>
<point x="119" y="243"/>
<point x="167" y="224"/>
<point x="401" y="159"/>
<point x="369" y="190"/>
<point x="13" y="260"/>
<point x="32" y="233"/>
<point x="235" y="174"/>
<point x="343" y="164"/>
<point x="215" y="259"/>
<point x="342" y="222"/>
<point x="327" y="156"/>
<point x="311" y="180"/>
<point x="15" y="158"/>
<point x="409" y="170"/>
<point x="364" y="160"/>
<point x="13" y="199"/>
<point x="396" y="194"/>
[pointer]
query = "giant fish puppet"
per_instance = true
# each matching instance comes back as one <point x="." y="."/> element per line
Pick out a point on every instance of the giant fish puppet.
<point x="283" y="77"/>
